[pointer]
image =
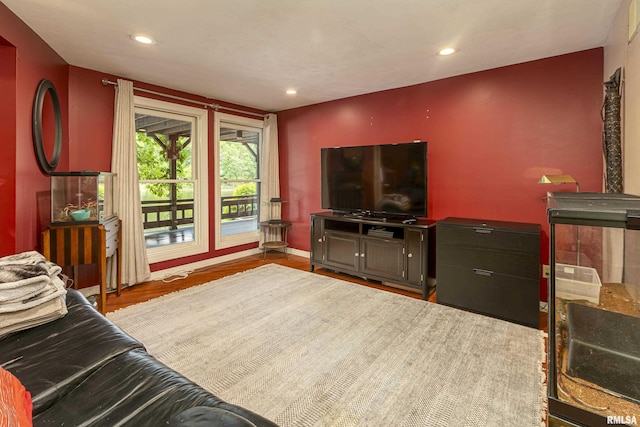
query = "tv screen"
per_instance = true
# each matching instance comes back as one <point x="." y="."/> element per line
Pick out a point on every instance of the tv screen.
<point x="388" y="179"/>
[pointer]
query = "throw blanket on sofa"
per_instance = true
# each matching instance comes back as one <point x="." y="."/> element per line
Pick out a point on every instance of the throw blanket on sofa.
<point x="31" y="293"/>
<point x="26" y="265"/>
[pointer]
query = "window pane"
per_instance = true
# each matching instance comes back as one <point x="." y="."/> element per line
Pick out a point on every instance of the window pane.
<point x="239" y="186"/>
<point x="239" y="206"/>
<point x="172" y="159"/>
<point x="167" y="212"/>
<point x="238" y="154"/>
<point x="164" y="147"/>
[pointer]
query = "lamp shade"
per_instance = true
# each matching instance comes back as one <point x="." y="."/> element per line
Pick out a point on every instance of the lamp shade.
<point x="559" y="179"/>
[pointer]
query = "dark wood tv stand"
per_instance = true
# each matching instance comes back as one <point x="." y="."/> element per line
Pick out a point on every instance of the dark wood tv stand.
<point x="388" y="251"/>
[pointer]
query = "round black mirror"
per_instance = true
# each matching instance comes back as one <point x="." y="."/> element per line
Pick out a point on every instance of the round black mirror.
<point x="47" y="159"/>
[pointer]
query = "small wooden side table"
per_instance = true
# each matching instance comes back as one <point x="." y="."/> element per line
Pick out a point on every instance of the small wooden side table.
<point x="78" y="244"/>
<point x="283" y="227"/>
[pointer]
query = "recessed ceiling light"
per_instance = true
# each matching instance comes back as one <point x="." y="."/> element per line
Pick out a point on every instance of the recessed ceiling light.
<point x="142" y="39"/>
<point x="446" y="51"/>
<point x="291" y="91"/>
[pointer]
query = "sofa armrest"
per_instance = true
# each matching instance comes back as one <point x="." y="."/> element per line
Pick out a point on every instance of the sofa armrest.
<point x="54" y="358"/>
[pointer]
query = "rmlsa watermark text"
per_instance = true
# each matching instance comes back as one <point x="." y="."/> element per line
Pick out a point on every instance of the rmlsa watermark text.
<point x="622" y="419"/>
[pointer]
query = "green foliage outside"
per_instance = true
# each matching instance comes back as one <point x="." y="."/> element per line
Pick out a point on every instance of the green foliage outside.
<point x="246" y="189"/>
<point x="153" y="164"/>
<point x="238" y="161"/>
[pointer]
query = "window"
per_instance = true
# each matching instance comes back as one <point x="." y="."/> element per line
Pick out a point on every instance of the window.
<point x="171" y="141"/>
<point x="237" y="152"/>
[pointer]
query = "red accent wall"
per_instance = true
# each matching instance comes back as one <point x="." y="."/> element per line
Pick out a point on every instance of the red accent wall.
<point x="33" y="60"/>
<point x="90" y="120"/>
<point x="8" y="136"/>
<point x="491" y="135"/>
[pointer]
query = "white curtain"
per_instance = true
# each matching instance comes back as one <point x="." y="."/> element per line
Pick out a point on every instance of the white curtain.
<point x="135" y="265"/>
<point x="270" y="172"/>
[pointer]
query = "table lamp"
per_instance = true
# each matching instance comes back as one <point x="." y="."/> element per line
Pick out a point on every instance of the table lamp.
<point x="559" y="179"/>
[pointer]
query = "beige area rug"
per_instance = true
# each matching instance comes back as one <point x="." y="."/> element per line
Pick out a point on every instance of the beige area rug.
<point x="308" y="350"/>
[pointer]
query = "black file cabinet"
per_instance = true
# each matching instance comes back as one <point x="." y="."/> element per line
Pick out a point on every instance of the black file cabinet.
<point x="489" y="267"/>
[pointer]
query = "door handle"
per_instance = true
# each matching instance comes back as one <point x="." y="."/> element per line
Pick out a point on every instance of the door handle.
<point x="483" y="230"/>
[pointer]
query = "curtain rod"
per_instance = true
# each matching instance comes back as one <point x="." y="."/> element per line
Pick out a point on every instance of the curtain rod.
<point x="214" y="107"/>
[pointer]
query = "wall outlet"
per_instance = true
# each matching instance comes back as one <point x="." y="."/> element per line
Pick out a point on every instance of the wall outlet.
<point x="546" y="271"/>
<point x="544" y="306"/>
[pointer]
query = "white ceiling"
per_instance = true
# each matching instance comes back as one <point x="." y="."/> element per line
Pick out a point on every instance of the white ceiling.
<point x="250" y="51"/>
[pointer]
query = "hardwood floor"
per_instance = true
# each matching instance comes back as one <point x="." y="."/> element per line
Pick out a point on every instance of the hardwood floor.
<point x="146" y="291"/>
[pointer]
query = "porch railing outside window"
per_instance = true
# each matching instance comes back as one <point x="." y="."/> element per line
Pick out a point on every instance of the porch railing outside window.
<point x="239" y="206"/>
<point x="162" y="214"/>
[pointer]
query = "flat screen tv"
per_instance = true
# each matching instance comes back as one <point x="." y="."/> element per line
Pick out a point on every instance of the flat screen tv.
<point x="388" y="180"/>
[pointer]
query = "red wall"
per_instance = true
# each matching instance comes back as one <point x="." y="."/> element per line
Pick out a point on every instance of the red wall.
<point x="90" y="120"/>
<point x="8" y="136"/>
<point x="28" y="199"/>
<point x="491" y="135"/>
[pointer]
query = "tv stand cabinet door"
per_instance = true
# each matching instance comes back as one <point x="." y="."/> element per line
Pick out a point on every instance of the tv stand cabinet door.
<point x="382" y="258"/>
<point x="342" y="250"/>
<point x="416" y="255"/>
<point x="317" y="240"/>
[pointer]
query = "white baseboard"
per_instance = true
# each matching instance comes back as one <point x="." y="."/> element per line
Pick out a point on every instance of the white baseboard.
<point x="300" y="253"/>
<point x="161" y="274"/>
<point x="167" y="272"/>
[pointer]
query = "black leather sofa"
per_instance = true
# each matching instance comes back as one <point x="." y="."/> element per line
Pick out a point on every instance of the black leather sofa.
<point x="83" y="370"/>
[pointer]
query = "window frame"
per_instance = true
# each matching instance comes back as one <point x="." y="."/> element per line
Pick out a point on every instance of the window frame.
<point x="200" y="177"/>
<point x="220" y="120"/>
